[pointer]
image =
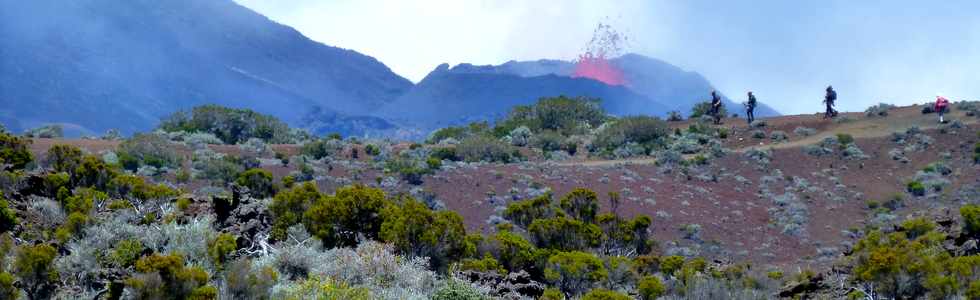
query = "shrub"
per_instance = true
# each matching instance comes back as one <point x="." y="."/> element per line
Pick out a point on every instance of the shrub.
<point x="457" y="290"/>
<point x="322" y="148"/>
<point x="222" y="168"/>
<point x="94" y="172"/>
<point x="445" y="153"/>
<point x="410" y="170"/>
<point x="7" y="288"/>
<point x="317" y="288"/>
<point x="881" y="110"/>
<point x="418" y="231"/>
<point x="562" y="114"/>
<point x="604" y="294"/>
<point x="221" y="247"/>
<point x="372" y="150"/>
<point x="642" y="130"/>
<point x="8" y="218"/>
<point x="147" y="149"/>
<point x="53" y="131"/>
<point x="702" y="109"/>
<point x="165" y="276"/>
<point x="14" y="152"/>
<point x="64" y="158"/>
<point x="515" y="252"/>
<point x="486" y="264"/>
<point x="258" y="181"/>
<point x="674" y="116"/>
<point x="433" y="163"/>
<point x="230" y="125"/>
<point x="524" y="212"/>
<point x="33" y="266"/>
<point x="916" y="188"/>
<point x="971" y="218"/>
<point x="565" y="234"/>
<point x="338" y="219"/>
<point x="126" y="252"/>
<point x="845" y="139"/>
<point x="288" y="206"/>
<point x="651" y="288"/>
<point x="758" y="134"/>
<point x="548" y="141"/>
<point x="671" y="264"/>
<point x="243" y="283"/>
<point x="804" y="131"/>
<point x="483" y="148"/>
<point x="917" y="227"/>
<point x="130" y="186"/>
<point x="575" y="272"/>
<point x="520" y="136"/>
<point x="581" y="204"/>
<point x="73" y="226"/>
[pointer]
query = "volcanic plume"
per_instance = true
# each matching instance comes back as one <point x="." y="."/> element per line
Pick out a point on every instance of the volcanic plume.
<point x="594" y="63"/>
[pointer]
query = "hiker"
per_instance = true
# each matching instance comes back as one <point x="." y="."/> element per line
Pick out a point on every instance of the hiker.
<point x="716" y="107"/>
<point x="750" y="108"/>
<point x="829" y="100"/>
<point x="941" y="105"/>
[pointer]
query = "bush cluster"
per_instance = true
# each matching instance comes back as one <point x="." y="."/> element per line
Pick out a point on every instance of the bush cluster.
<point x="148" y="149"/>
<point x="14" y="152"/>
<point x="642" y="130"/>
<point x="231" y="125"/>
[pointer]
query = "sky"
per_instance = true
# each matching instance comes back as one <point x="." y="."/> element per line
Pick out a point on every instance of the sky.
<point x="786" y="52"/>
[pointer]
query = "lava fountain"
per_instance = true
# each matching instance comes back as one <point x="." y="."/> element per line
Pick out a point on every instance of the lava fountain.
<point x="594" y="63"/>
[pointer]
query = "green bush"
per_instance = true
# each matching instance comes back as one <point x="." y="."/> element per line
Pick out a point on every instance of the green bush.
<point x="524" y="212"/>
<point x="33" y="266"/>
<point x="671" y="264"/>
<point x="7" y="288"/>
<point x="288" y="206"/>
<point x="221" y="247"/>
<point x="702" y="109"/>
<point x="230" y="125"/>
<point x="418" y="231"/>
<point x="130" y="186"/>
<point x="845" y="139"/>
<point x="971" y="218"/>
<point x="651" y="288"/>
<point x="94" y="172"/>
<point x="484" y="148"/>
<point x="372" y="150"/>
<point x="916" y="188"/>
<point x="83" y="200"/>
<point x="548" y="141"/>
<point x="575" y="272"/>
<point x="315" y="287"/>
<point x="8" y="218"/>
<point x="917" y="227"/>
<point x="445" y="153"/>
<point x="581" y="204"/>
<point x="515" y="252"/>
<point x="604" y="294"/>
<point x="64" y="158"/>
<point x="224" y="169"/>
<point x="72" y="227"/>
<point x="565" y="234"/>
<point x="14" y="152"/>
<point x="338" y="219"/>
<point x="165" y="277"/>
<point x="258" y="181"/>
<point x="626" y="235"/>
<point x="126" y="252"/>
<point x="458" y="290"/>
<point x="486" y="264"/>
<point x="561" y="114"/>
<point x="642" y="130"/>
<point x="321" y="148"/>
<point x="148" y="149"/>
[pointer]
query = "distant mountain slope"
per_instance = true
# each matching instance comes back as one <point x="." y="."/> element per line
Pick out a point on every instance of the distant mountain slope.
<point x="469" y="93"/>
<point x="103" y="64"/>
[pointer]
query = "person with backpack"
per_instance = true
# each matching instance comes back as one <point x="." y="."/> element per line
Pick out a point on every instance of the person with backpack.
<point x="942" y="104"/>
<point x="750" y="108"/>
<point x="829" y="99"/>
<point x="716" y="107"/>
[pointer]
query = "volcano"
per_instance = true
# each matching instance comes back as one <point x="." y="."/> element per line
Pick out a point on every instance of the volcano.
<point x="599" y="69"/>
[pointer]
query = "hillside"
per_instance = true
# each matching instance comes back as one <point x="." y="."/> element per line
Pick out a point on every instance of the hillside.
<point x="96" y="64"/>
<point x="793" y="206"/>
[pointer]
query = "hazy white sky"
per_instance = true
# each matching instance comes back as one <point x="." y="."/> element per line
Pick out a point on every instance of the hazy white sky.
<point x="785" y="51"/>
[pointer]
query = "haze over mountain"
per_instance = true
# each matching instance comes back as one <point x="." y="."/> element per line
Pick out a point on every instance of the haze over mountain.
<point x="93" y="65"/>
<point x="102" y="64"/>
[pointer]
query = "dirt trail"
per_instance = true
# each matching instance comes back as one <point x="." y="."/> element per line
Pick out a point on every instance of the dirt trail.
<point x="899" y="119"/>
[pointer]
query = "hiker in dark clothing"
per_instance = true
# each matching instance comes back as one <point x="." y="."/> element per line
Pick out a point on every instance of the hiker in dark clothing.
<point x="829" y="100"/>
<point x="716" y="107"/>
<point x="750" y="108"/>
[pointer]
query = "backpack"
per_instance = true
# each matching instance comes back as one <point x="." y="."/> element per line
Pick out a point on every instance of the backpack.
<point x="832" y="96"/>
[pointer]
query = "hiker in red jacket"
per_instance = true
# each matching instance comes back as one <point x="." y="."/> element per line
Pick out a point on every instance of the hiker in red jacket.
<point x="941" y="105"/>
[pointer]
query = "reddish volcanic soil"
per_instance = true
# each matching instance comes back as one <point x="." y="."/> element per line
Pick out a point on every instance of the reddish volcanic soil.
<point x="727" y="198"/>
